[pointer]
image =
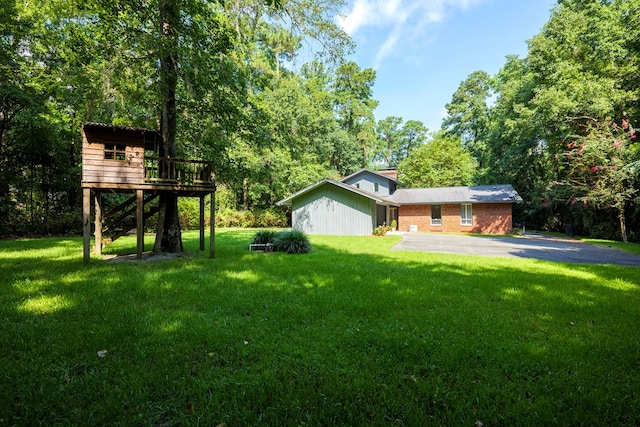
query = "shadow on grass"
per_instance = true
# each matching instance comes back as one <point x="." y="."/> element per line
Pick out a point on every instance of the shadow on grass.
<point x="349" y="334"/>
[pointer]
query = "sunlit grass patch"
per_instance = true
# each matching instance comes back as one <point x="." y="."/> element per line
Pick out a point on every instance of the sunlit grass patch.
<point x="45" y="304"/>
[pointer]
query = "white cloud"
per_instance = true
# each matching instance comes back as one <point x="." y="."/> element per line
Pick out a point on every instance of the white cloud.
<point x="400" y="20"/>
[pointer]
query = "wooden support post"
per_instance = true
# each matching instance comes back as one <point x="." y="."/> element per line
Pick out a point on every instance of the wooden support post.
<point x="97" y="232"/>
<point x="202" y="222"/>
<point x="212" y="226"/>
<point x="86" y="225"/>
<point x="140" y="222"/>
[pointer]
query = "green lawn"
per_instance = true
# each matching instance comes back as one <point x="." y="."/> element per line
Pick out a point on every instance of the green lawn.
<point x="349" y="334"/>
<point x="627" y="247"/>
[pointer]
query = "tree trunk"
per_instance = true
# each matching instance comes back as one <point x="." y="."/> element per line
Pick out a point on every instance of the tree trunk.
<point x="168" y="235"/>
<point x="245" y="194"/>
<point x="623" y="224"/>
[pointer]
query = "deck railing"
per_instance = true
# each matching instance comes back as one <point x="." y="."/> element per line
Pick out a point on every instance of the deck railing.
<point x="162" y="170"/>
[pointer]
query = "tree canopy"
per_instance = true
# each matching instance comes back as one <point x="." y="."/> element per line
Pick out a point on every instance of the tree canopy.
<point x="442" y="162"/>
<point x="224" y="83"/>
<point x="580" y="75"/>
<point x="216" y="78"/>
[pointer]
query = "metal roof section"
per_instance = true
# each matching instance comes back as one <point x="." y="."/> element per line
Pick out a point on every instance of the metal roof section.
<point x="369" y="171"/>
<point x="378" y="199"/>
<point x="503" y="193"/>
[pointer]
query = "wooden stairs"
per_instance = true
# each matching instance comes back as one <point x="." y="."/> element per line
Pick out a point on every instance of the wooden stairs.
<point x="122" y="219"/>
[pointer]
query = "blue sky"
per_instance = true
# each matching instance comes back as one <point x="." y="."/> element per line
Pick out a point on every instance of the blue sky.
<point x="422" y="49"/>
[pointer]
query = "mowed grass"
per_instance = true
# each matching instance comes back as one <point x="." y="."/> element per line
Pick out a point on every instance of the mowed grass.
<point x="349" y="334"/>
<point x="627" y="247"/>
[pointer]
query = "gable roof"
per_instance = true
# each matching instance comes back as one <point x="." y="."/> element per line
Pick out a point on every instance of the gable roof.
<point x="361" y="171"/>
<point x="379" y="199"/>
<point x="504" y="193"/>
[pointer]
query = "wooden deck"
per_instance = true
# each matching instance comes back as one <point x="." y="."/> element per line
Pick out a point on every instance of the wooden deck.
<point x="154" y="173"/>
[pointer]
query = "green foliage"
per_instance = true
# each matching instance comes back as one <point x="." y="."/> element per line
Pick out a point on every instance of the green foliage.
<point x="381" y="230"/>
<point x="354" y="105"/>
<point x="292" y="242"/>
<point x="251" y="219"/>
<point x="271" y="130"/>
<point x="397" y="143"/>
<point x="237" y="104"/>
<point x="189" y="211"/>
<point x="468" y="113"/>
<point x="601" y="169"/>
<point x="263" y="237"/>
<point x="394" y="224"/>
<point x="580" y="71"/>
<point x="442" y="162"/>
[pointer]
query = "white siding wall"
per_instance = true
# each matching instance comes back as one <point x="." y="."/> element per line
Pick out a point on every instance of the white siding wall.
<point x="367" y="182"/>
<point x="335" y="211"/>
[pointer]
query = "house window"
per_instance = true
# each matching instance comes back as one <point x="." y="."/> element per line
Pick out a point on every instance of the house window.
<point x="466" y="216"/>
<point x="358" y="185"/>
<point x="436" y="214"/>
<point x="376" y="187"/>
<point x="114" y="151"/>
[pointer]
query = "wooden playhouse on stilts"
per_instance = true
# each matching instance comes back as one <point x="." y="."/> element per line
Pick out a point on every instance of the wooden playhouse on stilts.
<point x="125" y="160"/>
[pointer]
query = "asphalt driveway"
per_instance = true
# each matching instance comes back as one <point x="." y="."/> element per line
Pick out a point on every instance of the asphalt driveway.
<point x="528" y="246"/>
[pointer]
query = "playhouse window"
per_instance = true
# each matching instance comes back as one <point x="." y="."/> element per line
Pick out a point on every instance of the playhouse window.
<point x="114" y="151"/>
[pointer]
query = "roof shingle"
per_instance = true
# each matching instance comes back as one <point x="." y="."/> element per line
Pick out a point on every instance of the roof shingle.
<point x="475" y="194"/>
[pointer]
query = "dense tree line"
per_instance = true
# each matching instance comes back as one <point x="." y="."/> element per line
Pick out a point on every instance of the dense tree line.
<point x="558" y="124"/>
<point x="218" y="79"/>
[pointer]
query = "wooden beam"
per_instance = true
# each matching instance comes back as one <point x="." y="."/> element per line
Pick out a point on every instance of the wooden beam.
<point x="202" y="222"/>
<point x="212" y="226"/>
<point x="86" y="225"/>
<point x="140" y="222"/>
<point x="98" y="222"/>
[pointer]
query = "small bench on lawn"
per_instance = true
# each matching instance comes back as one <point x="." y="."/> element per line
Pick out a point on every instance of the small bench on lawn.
<point x="262" y="247"/>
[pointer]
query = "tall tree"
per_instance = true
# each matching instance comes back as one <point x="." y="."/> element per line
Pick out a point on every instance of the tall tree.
<point x="168" y="236"/>
<point x="601" y="170"/>
<point x="397" y="141"/>
<point x="13" y="95"/>
<point x="468" y="113"/>
<point x="390" y="134"/>
<point x="354" y="105"/>
<point x="442" y="162"/>
<point x="579" y="70"/>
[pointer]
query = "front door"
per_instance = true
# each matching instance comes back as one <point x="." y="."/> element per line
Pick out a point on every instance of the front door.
<point x="381" y="215"/>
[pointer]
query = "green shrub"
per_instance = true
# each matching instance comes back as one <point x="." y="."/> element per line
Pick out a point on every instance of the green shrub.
<point x="250" y="219"/>
<point x="262" y="237"/>
<point x="292" y="242"/>
<point x="189" y="213"/>
<point x="271" y="218"/>
<point x="381" y="230"/>
<point x="394" y="224"/>
<point x="517" y="231"/>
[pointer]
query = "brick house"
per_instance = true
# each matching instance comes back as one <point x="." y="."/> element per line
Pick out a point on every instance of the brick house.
<point x="362" y="201"/>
